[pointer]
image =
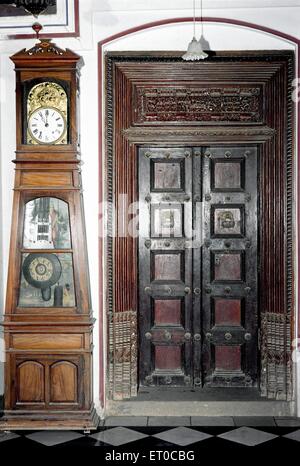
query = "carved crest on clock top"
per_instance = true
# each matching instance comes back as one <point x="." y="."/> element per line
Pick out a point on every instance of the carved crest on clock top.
<point x="46" y="47"/>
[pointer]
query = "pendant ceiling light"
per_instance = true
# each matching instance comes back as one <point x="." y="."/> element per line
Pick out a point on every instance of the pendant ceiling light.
<point x="195" y="51"/>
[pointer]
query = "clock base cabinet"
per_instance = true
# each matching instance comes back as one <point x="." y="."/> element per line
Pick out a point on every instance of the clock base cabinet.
<point x="49" y="382"/>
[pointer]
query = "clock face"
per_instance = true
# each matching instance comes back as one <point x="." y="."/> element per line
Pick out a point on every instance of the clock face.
<point x="46" y="125"/>
<point x="41" y="269"/>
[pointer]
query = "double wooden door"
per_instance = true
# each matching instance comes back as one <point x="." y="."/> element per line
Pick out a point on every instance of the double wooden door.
<point x="198" y="266"/>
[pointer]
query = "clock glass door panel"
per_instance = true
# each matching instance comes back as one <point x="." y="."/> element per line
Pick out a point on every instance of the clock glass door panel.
<point x="47" y="274"/>
<point x="198" y="266"/>
<point x="47" y="280"/>
<point x="46" y="224"/>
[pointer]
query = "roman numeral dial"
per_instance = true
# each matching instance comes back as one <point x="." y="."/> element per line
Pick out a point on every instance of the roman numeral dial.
<point x="47" y="125"/>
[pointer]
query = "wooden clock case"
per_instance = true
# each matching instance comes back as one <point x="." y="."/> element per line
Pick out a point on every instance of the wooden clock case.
<point x="48" y="374"/>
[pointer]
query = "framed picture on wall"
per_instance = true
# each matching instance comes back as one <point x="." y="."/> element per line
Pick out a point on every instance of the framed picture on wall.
<point x="61" y="19"/>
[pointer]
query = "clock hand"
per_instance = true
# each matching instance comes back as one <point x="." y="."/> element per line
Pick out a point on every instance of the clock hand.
<point x="42" y="117"/>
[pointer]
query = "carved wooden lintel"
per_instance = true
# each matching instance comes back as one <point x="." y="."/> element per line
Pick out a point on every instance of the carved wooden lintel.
<point x="139" y="135"/>
<point x="198" y="104"/>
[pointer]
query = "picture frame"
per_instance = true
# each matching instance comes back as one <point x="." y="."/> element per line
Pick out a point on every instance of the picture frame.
<point x="63" y="23"/>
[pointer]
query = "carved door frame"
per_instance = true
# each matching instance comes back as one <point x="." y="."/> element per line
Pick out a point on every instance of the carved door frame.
<point x="272" y="130"/>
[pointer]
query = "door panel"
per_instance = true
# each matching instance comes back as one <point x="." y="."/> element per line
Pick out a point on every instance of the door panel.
<point x="63" y="382"/>
<point x="48" y="381"/>
<point x="31" y="382"/>
<point x="229" y="286"/>
<point x="198" y="266"/>
<point x="165" y="266"/>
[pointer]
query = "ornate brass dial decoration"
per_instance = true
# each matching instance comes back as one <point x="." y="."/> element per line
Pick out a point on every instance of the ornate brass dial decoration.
<point x="41" y="269"/>
<point x="47" y="108"/>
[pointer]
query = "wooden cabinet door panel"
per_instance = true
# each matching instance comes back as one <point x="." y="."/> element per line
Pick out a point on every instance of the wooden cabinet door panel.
<point x="63" y="382"/>
<point x="31" y="382"/>
<point x="48" y="381"/>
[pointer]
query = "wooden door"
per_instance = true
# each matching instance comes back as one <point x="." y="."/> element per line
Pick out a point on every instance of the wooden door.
<point x="165" y="266"/>
<point x="229" y="264"/>
<point x="198" y="266"/>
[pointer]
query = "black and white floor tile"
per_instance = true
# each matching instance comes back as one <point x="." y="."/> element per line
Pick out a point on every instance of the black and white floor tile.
<point x="144" y="433"/>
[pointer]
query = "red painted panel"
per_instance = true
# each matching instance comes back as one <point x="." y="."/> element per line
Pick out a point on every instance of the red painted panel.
<point x="227" y="266"/>
<point x="227" y="175"/>
<point x="167" y="175"/>
<point x="227" y="311"/>
<point x="167" y="311"/>
<point x="167" y="267"/>
<point x="168" y="357"/>
<point x="228" y="358"/>
<point x="166" y="221"/>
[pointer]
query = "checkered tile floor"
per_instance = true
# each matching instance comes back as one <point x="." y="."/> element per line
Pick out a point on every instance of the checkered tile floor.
<point x="225" y="432"/>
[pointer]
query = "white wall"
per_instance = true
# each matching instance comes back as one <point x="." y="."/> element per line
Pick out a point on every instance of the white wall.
<point x="98" y="20"/>
<point x="1" y="262"/>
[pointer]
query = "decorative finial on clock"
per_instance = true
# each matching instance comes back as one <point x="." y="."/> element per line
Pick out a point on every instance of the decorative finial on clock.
<point x="37" y="27"/>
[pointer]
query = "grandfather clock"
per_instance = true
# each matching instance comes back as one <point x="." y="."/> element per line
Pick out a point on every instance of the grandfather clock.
<point x="48" y="322"/>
